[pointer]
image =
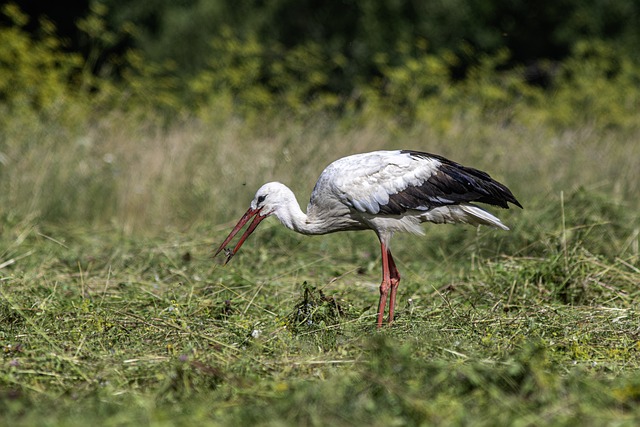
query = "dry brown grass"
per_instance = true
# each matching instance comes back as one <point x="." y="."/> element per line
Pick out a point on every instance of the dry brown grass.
<point x="145" y="175"/>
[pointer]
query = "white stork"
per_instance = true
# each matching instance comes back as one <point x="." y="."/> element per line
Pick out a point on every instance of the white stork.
<point x="385" y="191"/>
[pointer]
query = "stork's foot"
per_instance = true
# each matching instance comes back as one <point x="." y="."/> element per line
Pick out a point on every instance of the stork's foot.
<point x="392" y="299"/>
<point x="384" y="292"/>
<point x="387" y="290"/>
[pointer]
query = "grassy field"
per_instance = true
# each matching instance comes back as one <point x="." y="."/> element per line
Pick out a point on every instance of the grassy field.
<point x="113" y="312"/>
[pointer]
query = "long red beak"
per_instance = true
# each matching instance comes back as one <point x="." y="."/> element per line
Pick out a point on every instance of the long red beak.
<point x="251" y="213"/>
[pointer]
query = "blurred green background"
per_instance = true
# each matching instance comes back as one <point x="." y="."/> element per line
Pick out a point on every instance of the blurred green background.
<point x="141" y="106"/>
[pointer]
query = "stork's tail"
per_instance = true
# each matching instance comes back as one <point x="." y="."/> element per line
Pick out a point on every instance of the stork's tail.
<point x="478" y="216"/>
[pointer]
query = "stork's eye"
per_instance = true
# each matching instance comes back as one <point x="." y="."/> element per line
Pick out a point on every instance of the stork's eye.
<point x="261" y="199"/>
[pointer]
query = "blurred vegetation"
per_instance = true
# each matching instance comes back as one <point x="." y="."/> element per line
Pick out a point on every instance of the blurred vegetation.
<point x="121" y="124"/>
<point x="119" y="117"/>
<point x="399" y="58"/>
<point x="181" y="31"/>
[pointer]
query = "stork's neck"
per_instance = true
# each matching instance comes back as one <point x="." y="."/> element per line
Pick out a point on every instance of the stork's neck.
<point x="292" y="217"/>
<point x="285" y="207"/>
<point x="318" y="220"/>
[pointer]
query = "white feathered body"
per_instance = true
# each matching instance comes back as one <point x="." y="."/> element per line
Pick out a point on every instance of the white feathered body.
<point x="395" y="191"/>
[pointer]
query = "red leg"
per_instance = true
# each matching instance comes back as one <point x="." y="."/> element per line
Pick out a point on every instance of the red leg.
<point x="385" y="285"/>
<point x="394" y="276"/>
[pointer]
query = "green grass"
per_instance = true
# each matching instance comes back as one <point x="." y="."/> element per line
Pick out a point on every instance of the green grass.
<point x="101" y="328"/>
<point x="113" y="312"/>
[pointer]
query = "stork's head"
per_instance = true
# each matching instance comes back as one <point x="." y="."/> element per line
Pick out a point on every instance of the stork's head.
<point x="269" y="199"/>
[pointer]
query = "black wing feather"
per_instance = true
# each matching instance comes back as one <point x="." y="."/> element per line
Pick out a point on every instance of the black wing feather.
<point x="452" y="184"/>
